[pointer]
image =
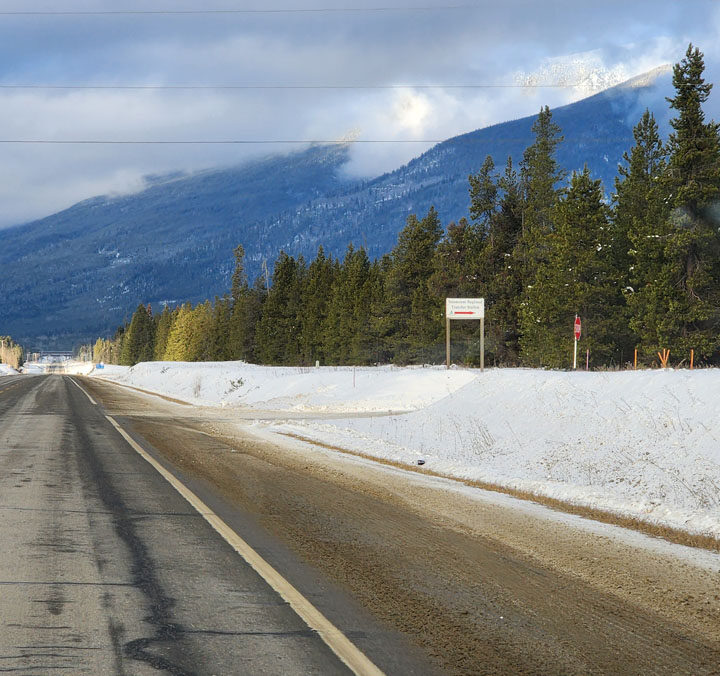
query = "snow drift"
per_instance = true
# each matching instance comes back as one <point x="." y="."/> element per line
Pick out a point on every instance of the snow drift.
<point x="644" y="444"/>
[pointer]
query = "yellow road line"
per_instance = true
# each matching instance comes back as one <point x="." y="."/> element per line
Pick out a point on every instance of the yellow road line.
<point x="339" y="643"/>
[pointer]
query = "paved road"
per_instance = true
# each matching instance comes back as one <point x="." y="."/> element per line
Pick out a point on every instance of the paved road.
<point x="105" y="569"/>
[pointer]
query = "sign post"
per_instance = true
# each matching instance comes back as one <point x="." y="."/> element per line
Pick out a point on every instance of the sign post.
<point x="465" y="308"/>
<point x="576" y="328"/>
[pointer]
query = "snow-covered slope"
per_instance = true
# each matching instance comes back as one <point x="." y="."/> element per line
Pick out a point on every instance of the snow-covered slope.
<point x="7" y="370"/>
<point x="640" y="443"/>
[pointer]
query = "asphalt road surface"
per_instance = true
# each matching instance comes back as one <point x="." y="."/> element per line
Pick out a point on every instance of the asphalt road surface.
<point x="106" y="569"/>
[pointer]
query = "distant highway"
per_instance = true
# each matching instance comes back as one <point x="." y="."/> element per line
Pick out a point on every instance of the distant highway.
<point x="277" y="561"/>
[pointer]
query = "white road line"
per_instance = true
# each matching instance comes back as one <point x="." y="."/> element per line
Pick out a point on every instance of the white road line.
<point x="347" y="652"/>
<point x="84" y="391"/>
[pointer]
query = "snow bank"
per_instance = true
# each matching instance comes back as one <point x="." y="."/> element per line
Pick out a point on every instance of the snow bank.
<point x="7" y="370"/>
<point x="325" y="389"/>
<point x="645" y="444"/>
<point x="71" y="367"/>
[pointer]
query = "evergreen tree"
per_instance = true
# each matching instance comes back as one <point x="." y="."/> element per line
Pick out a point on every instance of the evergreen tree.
<point x="220" y="329"/>
<point x="347" y="329"/>
<point x="414" y="316"/>
<point x="641" y="229"/>
<point x="237" y="328"/>
<point x="315" y="296"/>
<point x="178" y="340"/>
<point x="577" y="278"/>
<point x="162" y="331"/>
<point x="250" y="319"/>
<point x="199" y="346"/>
<point x="540" y="175"/>
<point x="139" y="339"/>
<point x="239" y="285"/>
<point x="381" y="322"/>
<point x="278" y="332"/>
<point x="693" y="185"/>
<point x="455" y="274"/>
<point x="504" y="287"/>
<point x="483" y="194"/>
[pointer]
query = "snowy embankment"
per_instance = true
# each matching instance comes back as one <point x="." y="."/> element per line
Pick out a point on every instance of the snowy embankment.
<point x="7" y="370"/>
<point x="644" y="444"/>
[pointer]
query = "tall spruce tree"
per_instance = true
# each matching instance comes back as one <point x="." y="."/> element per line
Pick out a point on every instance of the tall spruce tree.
<point x="139" y="338"/>
<point x="540" y="175"/>
<point x="162" y="331"/>
<point x="220" y="329"/>
<point x="483" y="194"/>
<point x="576" y="278"/>
<point x="252" y="314"/>
<point x="504" y="281"/>
<point x="456" y="275"/>
<point x="239" y="297"/>
<point x="641" y="228"/>
<point x="693" y="247"/>
<point x="278" y="331"/>
<point x="316" y="294"/>
<point x="414" y="316"/>
<point x="178" y="341"/>
<point x="347" y="327"/>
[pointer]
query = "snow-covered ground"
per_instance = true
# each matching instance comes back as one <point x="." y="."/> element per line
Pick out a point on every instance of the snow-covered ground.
<point x="640" y="443"/>
<point x="7" y="370"/>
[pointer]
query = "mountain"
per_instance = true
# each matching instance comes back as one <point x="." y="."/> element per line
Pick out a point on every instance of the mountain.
<point x="79" y="273"/>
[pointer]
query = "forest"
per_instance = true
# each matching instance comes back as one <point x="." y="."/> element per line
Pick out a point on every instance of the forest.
<point x="640" y="265"/>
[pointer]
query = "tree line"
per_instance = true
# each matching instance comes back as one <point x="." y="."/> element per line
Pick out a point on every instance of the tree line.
<point x="642" y="270"/>
<point x="10" y="352"/>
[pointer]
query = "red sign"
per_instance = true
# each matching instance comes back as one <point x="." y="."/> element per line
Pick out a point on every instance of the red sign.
<point x="577" y="328"/>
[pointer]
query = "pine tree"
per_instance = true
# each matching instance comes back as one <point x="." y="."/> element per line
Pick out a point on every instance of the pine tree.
<point x="176" y="348"/>
<point x="278" y="332"/>
<point x="483" y="194"/>
<point x="162" y="331"/>
<point x="316" y="294"/>
<point x="381" y="322"/>
<point x="504" y="282"/>
<point x="415" y="317"/>
<point x="455" y="275"/>
<point x="236" y="347"/>
<point x="220" y="329"/>
<point x="641" y="229"/>
<point x="539" y="176"/>
<point x="346" y="328"/>
<point x="693" y="185"/>
<point x="139" y="338"/>
<point x="199" y="346"/>
<point x="577" y="278"/>
<point x="252" y="313"/>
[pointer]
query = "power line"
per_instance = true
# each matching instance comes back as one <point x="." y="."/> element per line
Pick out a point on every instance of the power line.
<point x="285" y="10"/>
<point x="291" y="141"/>
<point x="299" y="86"/>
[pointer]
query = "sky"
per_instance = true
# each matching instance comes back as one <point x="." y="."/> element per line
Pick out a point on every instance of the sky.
<point x="273" y="73"/>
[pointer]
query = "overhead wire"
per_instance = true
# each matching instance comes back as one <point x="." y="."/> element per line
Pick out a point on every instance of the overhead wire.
<point x="291" y="141"/>
<point x="278" y="10"/>
<point x="298" y="86"/>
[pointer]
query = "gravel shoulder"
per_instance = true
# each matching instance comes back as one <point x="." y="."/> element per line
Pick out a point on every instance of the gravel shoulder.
<point x="481" y="583"/>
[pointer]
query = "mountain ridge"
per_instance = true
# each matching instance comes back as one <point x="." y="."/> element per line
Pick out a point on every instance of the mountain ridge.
<point x="77" y="274"/>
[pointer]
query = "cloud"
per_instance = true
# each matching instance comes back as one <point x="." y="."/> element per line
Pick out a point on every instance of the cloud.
<point x="516" y="42"/>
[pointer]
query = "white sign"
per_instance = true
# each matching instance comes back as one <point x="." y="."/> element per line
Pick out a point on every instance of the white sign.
<point x="465" y="308"/>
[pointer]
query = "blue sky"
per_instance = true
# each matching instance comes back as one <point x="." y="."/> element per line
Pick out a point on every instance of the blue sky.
<point x="581" y="45"/>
